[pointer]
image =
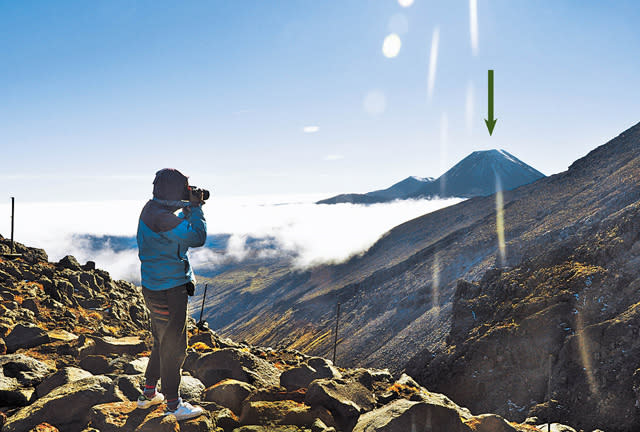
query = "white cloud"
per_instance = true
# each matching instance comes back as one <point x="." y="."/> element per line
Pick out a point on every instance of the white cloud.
<point x="332" y="157"/>
<point x="314" y="233"/>
<point x="310" y="129"/>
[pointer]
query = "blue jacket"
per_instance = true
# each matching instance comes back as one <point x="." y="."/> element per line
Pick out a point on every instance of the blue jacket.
<point x="163" y="240"/>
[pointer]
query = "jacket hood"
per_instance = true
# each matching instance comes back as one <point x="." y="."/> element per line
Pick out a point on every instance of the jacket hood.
<point x="169" y="184"/>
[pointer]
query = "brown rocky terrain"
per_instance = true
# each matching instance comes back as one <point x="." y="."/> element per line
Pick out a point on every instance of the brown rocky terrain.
<point x="74" y="346"/>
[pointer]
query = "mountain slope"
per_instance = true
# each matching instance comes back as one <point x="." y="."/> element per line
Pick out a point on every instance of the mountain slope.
<point x="401" y="289"/>
<point x="479" y="174"/>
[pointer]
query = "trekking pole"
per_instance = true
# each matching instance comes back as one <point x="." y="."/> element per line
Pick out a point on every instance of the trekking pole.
<point x="13" y="205"/>
<point x="335" y="336"/>
<point x="200" y="324"/>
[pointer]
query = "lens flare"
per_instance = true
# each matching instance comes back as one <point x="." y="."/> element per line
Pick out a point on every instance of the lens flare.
<point x="375" y="102"/>
<point x="444" y="133"/>
<point x="583" y="345"/>
<point x="473" y="25"/>
<point x="502" y="248"/>
<point x="433" y="61"/>
<point x="391" y="45"/>
<point x="469" y="108"/>
<point x="435" y="292"/>
<point x="399" y="24"/>
<point x="405" y="3"/>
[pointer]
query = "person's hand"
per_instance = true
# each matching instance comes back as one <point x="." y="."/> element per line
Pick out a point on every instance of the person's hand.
<point x="195" y="197"/>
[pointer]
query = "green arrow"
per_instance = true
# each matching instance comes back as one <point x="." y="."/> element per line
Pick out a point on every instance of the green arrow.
<point x="491" y="123"/>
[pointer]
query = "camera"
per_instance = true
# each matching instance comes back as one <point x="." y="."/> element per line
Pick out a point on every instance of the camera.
<point x="195" y="189"/>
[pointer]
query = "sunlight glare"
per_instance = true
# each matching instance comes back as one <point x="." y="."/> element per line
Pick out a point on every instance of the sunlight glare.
<point x="500" y="222"/>
<point x="405" y="3"/>
<point x="473" y="25"/>
<point x="391" y="45"/>
<point x="433" y="61"/>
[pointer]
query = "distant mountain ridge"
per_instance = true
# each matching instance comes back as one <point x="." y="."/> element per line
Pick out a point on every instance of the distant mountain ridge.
<point x="481" y="173"/>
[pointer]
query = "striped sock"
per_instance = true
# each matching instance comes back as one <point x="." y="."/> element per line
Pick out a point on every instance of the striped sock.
<point x="172" y="404"/>
<point x="149" y="391"/>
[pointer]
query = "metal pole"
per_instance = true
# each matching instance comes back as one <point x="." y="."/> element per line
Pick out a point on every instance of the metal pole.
<point x="335" y="335"/>
<point x="549" y="392"/>
<point x="13" y="204"/>
<point x="204" y="296"/>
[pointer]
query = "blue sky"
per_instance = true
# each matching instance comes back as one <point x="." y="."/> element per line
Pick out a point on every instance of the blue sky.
<point x="96" y="96"/>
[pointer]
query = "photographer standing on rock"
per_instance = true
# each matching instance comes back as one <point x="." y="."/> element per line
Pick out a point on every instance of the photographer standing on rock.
<point x="167" y="279"/>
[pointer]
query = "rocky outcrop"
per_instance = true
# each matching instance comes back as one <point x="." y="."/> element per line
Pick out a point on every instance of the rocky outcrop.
<point x="86" y="374"/>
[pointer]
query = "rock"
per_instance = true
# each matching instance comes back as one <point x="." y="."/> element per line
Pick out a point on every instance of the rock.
<point x="280" y="428"/>
<point x="125" y="345"/>
<point x="234" y="363"/>
<point x="324" y="368"/>
<point x="191" y="388"/>
<point x="281" y="412"/>
<point x="96" y="364"/>
<point x="229" y="393"/>
<point x="489" y="423"/>
<point x="137" y="366"/>
<point x="298" y="377"/>
<point x="127" y="387"/>
<point x="84" y="347"/>
<point x="25" y="336"/>
<point x="275" y="394"/>
<point x="90" y="265"/>
<point x="403" y="415"/>
<point x="3" y="347"/>
<point x="31" y="305"/>
<point x="19" y="374"/>
<point x="67" y="405"/>
<point x="345" y="400"/>
<point x="61" y="335"/>
<point x="45" y="427"/>
<point x="69" y="262"/>
<point x="61" y="377"/>
<point x="319" y="426"/>
<point x="556" y="427"/>
<point x="226" y="419"/>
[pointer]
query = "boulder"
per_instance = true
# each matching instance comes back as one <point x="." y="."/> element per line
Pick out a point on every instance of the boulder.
<point x="226" y="419"/>
<point x="191" y="388"/>
<point x="69" y="262"/>
<point x="298" y="377"/>
<point x="282" y="413"/>
<point x="403" y="415"/>
<point x="61" y="377"/>
<point x="124" y="345"/>
<point x="119" y="416"/>
<point x="229" y="393"/>
<point x="276" y="394"/>
<point x="234" y="363"/>
<point x="489" y="423"/>
<point x="96" y="364"/>
<point x="45" y="427"/>
<point x="345" y="399"/>
<point x="19" y="374"/>
<point x="127" y="387"/>
<point x="324" y="368"/>
<point x="61" y="335"/>
<point x="67" y="405"/>
<point x="137" y="366"/>
<point x="25" y="336"/>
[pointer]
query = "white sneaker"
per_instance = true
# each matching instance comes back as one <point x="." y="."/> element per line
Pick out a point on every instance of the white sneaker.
<point x="185" y="411"/>
<point x="144" y="402"/>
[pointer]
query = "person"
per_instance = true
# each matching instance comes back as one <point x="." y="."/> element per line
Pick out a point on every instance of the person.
<point x="167" y="279"/>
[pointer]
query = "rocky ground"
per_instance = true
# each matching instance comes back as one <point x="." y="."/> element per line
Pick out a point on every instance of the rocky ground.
<point x="74" y="346"/>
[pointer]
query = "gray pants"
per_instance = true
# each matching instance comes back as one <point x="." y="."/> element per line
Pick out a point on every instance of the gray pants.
<point x="168" y="310"/>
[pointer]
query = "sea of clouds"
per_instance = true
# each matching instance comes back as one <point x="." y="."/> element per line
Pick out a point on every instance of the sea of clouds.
<point x="314" y="233"/>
